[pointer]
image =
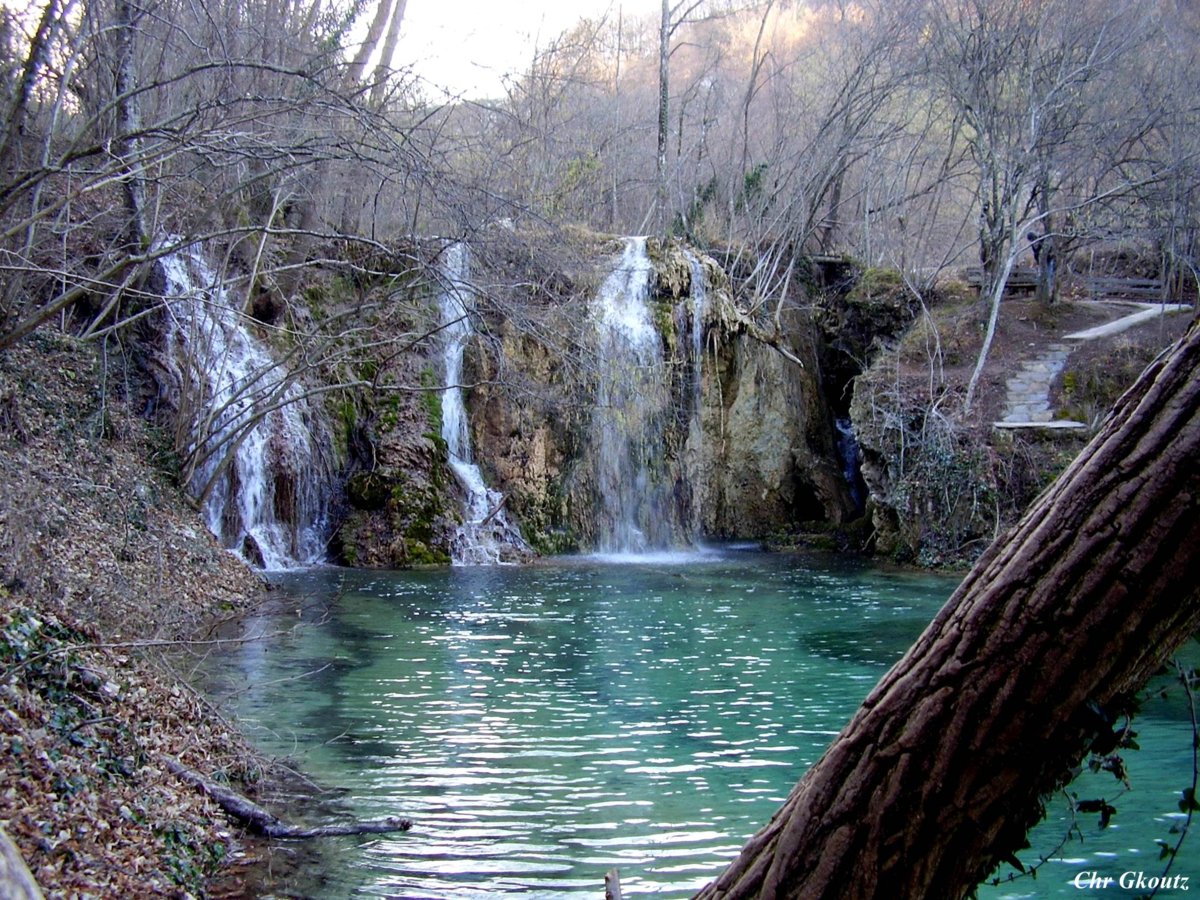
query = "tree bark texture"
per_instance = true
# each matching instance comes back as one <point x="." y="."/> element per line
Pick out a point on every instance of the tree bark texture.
<point x="664" y="99"/>
<point x="16" y="882"/>
<point x="129" y="124"/>
<point x="358" y="65"/>
<point x="942" y="770"/>
<point x="384" y="67"/>
<point x="13" y="125"/>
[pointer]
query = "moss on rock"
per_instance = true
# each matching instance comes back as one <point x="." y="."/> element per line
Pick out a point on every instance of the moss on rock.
<point x="368" y="490"/>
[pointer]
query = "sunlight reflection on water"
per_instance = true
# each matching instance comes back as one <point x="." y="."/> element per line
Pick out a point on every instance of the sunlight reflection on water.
<point x="543" y="724"/>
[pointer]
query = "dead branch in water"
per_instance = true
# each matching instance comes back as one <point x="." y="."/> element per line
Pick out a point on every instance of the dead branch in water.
<point x="258" y="819"/>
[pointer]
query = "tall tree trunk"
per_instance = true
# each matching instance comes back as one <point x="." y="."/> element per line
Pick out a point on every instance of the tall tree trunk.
<point x="664" y="96"/>
<point x="129" y="125"/>
<point x="616" y="111"/>
<point x="1046" y="246"/>
<point x="994" y="285"/>
<point x="940" y="773"/>
<point x="12" y="127"/>
<point x="358" y="65"/>
<point x="831" y="229"/>
<point x="384" y="66"/>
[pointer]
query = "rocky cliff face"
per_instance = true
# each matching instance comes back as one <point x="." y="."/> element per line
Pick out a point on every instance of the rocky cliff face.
<point x="772" y="463"/>
<point x="747" y="442"/>
<point x="400" y="505"/>
<point x="733" y="436"/>
<point x="400" y="508"/>
<point x="769" y="459"/>
<point x="748" y="451"/>
<point x="527" y="419"/>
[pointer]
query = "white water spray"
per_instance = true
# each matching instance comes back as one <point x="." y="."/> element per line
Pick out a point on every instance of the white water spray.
<point x="699" y="297"/>
<point x="486" y="537"/>
<point x="258" y="447"/>
<point x="636" y="505"/>
<point x="695" y="442"/>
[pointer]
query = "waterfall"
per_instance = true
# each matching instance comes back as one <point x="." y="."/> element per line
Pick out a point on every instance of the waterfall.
<point x="486" y="536"/>
<point x="637" y="512"/>
<point x="258" y="450"/>
<point x="699" y="295"/>
<point x="695" y="440"/>
<point x="847" y="445"/>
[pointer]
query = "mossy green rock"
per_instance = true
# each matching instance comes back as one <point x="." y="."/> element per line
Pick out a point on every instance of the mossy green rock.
<point x="368" y="490"/>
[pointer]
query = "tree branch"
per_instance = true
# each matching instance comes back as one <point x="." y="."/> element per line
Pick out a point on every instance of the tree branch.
<point x="258" y="819"/>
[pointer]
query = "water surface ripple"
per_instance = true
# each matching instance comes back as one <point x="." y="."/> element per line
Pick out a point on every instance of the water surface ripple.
<point x="542" y="725"/>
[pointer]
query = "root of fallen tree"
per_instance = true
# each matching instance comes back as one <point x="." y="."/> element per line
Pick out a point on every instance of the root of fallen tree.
<point x="259" y="820"/>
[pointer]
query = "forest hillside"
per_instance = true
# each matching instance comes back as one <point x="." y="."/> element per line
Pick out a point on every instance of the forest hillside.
<point x="861" y="276"/>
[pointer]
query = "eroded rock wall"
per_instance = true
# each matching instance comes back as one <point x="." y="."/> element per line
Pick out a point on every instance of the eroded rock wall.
<point x="748" y="454"/>
<point x="773" y="467"/>
<point x="400" y="505"/>
<point x="526" y="419"/>
<point x="748" y="448"/>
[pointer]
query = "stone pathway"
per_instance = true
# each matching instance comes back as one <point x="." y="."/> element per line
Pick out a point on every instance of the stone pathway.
<point x="1028" y="400"/>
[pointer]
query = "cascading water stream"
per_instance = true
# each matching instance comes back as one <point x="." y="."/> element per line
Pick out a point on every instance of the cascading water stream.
<point x="695" y="442"/>
<point x="699" y="296"/>
<point x="848" y="450"/>
<point x="637" y="512"/>
<point x="259" y="449"/>
<point x="486" y="537"/>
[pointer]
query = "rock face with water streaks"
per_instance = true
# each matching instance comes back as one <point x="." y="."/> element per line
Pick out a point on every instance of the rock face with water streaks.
<point x="776" y="467"/>
<point x="613" y="398"/>
<point x="742" y="445"/>
<point x="400" y="508"/>
<point x="769" y="458"/>
<point x="485" y="536"/>
<point x="526" y="425"/>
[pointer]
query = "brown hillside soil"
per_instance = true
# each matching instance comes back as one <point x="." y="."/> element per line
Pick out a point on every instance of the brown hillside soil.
<point x="1025" y="329"/>
<point x="945" y="483"/>
<point x="104" y="570"/>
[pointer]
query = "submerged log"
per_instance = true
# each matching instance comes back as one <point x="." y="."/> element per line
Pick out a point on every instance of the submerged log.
<point x="260" y="820"/>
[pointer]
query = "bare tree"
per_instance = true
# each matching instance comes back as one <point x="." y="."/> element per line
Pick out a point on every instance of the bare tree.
<point x="671" y="19"/>
<point x="791" y="200"/>
<point x="1021" y="78"/>
<point x="203" y="121"/>
<point x="388" y="14"/>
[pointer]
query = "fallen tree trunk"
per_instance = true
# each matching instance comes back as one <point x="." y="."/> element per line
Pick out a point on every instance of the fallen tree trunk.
<point x="942" y="771"/>
<point x="16" y="882"/>
<point x="258" y="819"/>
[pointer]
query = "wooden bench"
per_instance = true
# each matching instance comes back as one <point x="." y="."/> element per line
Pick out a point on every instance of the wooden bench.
<point x="1024" y="280"/>
<point x="1021" y="280"/>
